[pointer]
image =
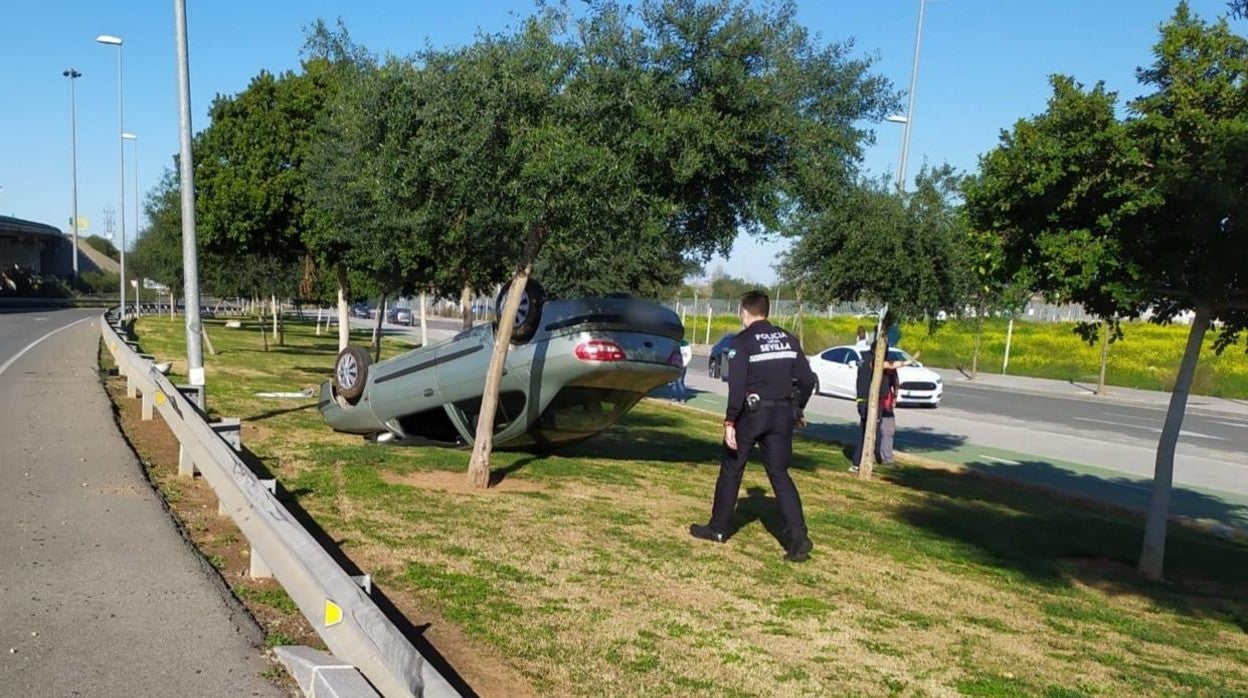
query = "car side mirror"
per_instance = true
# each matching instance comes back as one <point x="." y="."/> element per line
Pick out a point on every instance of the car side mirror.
<point x="853" y="364"/>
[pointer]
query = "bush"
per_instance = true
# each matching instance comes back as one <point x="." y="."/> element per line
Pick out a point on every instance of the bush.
<point x="20" y="282"/>
<point x="99" y="282"/>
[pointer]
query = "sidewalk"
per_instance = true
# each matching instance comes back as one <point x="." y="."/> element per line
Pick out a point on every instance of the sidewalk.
<point x="1070" y="389"/>
<point x="102" y="595"/>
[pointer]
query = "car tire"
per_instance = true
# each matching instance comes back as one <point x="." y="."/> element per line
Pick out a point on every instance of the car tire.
<point x="712" y="368"/>
<point x="351" y="373"/>
<point x="529" y="314"/>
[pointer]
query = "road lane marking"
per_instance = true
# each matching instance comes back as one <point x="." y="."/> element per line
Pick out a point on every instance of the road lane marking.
<point x="1238" y="425"/>
<point x="1155" y="430"/>
<point x="35" y="343"/>
<point x="1000" y="460"/>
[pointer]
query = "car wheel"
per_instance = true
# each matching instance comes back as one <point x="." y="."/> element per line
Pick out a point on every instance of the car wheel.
<point x="351" y="373"/>
<point x="712" y="368"/>
<point x="529" y="314"/>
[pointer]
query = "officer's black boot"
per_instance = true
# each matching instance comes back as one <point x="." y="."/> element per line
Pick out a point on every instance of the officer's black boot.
<point x="706" y="533"/>
<point x="799" y="549"/>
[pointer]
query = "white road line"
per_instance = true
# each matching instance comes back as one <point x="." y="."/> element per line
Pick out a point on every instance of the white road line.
<point x="35" y="343"/>
<point x="1238" y="425"/>
<point x="1131" y="416"/>
<point x="1000" y="460"/>
<point x="1154" y="430"/>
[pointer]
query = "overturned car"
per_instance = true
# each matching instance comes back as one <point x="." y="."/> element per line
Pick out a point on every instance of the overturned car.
<point x="575" y="368"/>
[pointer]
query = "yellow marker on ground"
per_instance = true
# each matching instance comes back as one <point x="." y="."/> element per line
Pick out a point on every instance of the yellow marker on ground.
<point x="333" y="614"/>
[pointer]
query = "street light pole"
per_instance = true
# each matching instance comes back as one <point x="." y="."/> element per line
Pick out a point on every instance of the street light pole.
<point x="121" y="164"/>
<point x="73" y="158"/>
<point x="134" y="141"/>
<point x="190" y="260"/>
<point x="909" y="122"/>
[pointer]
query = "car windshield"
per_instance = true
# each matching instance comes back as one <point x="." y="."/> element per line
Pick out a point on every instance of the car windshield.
<point x="898" y="355"/>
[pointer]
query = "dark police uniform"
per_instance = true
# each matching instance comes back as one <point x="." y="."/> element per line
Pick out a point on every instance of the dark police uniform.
<point x="768" y="377"/>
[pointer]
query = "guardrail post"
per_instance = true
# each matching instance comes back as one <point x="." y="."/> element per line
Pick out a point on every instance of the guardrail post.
<point x="194" y="393"/>
<point x="186" y="464"/>
<point x="132" y="387"/>
<point x="257" y="568"/>
<point x="148" y="405"/>
<point x="230" y="429"/>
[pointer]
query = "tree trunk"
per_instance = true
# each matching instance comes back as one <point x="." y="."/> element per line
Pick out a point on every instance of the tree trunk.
<point x="483" y="443"/>
<point x="424" y="325"/>
<point x="344" y="313"/>
<point x="318" y="320"/>
<point x="277" y="330"/>
<point x="381" y="314"/>
<point x="873" y="404"/>
<point x="1100" y="381"/>
<point x="173" y="303"/>
<point x="203" y="331"/>
<point x="1009" y="336"/>
<point x="264" y="338"/>
<point x="465" y="305"/>
<point x="979" y="335"/>
<point x="1153" y="554"/>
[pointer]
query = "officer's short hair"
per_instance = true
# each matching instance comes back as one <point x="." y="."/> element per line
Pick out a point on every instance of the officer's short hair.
<point x="756" y="303"/>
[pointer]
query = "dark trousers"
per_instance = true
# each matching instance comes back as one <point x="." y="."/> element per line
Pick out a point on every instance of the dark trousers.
<point x="772" y="428"/>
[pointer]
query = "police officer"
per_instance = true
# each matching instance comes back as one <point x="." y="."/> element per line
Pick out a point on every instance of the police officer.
<point x="768" y="376"/>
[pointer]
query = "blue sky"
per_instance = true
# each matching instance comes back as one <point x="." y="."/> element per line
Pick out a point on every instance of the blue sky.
<point x="984" y="64"/>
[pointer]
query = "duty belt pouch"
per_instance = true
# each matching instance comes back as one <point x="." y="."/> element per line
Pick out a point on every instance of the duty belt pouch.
<point x="752" y="401"/>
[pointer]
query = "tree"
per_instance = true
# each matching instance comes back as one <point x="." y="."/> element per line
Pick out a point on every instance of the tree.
<point x="251" y="174"/>
<point x="1142" y="213"/>
<point x="903" y="251"/>
<point x="667" y="135"/>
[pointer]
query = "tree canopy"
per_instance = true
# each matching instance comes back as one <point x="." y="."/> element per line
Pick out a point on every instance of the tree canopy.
<point x="1137" y="215"/>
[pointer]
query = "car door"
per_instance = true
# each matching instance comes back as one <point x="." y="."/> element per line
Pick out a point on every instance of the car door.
<point x="847" y="372"/>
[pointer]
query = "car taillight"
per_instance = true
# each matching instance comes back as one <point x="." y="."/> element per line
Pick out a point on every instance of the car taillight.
<point x="599" y="350"/>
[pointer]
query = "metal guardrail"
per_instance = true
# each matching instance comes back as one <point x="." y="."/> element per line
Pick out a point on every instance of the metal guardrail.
<point x="351" y="624"/>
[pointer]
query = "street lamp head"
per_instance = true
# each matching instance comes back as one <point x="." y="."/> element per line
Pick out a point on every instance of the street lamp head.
<point x="896" y="119"/>
<point x="109" y="39"/>
<point x="130" y="136"/>
<point x="71" y="73"/>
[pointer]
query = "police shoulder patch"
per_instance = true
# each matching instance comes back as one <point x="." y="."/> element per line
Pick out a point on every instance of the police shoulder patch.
<point x="732" y="353"/>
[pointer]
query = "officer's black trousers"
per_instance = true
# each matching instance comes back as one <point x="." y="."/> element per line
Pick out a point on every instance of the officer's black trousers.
<point x="772" y="428"/>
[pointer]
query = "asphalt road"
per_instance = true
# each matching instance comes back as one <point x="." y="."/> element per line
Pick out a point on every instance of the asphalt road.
<point x="1227" y="435"/>
<point x="101" y="595"/>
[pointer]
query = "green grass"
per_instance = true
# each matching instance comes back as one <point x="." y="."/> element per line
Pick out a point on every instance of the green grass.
<point x="579" y="574"/>
<point x="1147" y="357"/>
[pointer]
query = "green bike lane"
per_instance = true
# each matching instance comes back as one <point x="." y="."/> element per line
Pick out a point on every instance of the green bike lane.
<point x="1215" y="507"/>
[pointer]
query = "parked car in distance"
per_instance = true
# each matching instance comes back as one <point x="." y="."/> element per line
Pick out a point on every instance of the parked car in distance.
<point x="399" y="316"/>
<point x="361" y="310"/>
<point x="717" y="363"/>
<point x="836" y="371"/>
<point x="575" y="368"/>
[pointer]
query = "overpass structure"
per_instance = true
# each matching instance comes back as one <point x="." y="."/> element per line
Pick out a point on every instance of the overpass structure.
<point x="36" y="246"/>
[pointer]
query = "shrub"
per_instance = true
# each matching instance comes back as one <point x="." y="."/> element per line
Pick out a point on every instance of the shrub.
<point x="99" y="281"/>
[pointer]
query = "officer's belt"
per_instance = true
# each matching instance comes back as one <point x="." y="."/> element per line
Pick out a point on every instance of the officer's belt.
<point x="775" y="403"/>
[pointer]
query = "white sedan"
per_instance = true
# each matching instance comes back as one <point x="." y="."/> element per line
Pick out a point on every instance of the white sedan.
<point x="836" y="370"/>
